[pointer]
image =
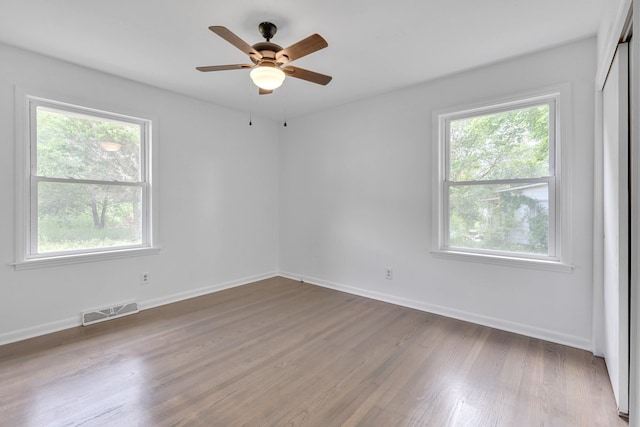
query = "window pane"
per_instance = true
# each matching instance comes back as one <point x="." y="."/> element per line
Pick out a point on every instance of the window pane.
<point x="505" y="145"/>
<point x="75" y="216"/>
<point x="76" y="146"/>
<point x="500" y="217"/>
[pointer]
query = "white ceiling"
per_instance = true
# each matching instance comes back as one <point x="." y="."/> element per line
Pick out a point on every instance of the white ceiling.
<point x="375" y="46"/>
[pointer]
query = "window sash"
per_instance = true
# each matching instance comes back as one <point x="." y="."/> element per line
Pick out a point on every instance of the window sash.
<point x="552" y="238"/>
<point x="486" y="111"/>
<point x="145" y="130"/>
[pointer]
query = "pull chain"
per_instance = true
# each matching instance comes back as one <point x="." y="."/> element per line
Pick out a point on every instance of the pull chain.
<point x="285" y="107"/>
<point x="251" y="104"/>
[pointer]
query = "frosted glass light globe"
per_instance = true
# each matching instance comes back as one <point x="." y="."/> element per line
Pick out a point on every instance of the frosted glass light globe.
<point x="266" y="77"/>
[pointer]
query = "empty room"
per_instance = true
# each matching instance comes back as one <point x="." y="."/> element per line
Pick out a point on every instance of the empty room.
<point x="296" y="213"/>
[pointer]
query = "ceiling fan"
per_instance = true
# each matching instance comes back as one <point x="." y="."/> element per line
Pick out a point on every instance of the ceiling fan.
<point x="268" y="58"/>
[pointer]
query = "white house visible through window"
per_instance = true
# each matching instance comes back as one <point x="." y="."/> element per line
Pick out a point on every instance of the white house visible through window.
<point x="498" y="180"/>
<point x="89" y="182"/>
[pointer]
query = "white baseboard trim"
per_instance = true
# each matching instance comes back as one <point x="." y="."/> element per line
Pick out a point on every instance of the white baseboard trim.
<point x="48" y="328"/>
<point x="36" y="331"/>
<point x="505" y="325"/>
<point x="168" y="299"/>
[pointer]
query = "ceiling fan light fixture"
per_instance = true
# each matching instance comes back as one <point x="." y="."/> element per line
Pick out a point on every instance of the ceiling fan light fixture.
<point x="267" y="71"/>
<point x="267" y="77"/>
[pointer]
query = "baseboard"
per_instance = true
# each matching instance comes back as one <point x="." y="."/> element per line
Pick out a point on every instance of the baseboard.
<point x="36" y="331"/>
<point x="48" y="328"/>
<point x="155" y="302"/>
<point x="518" y="328"/>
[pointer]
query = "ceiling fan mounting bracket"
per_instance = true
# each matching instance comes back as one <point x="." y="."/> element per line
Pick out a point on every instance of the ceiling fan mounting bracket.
<point x="268" y="30"/>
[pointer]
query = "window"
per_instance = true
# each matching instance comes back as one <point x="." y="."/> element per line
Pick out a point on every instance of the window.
<point x="87" y="185"/>
<point x="498" y="180"/>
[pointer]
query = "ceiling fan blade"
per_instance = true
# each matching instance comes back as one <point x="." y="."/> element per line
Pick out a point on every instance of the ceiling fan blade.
<point x="224" y="67"/>
<point x="264" y="91"/>
<point x="310" y="76"/>
<point x="226" y="34"/>
<point x="304" y="47"/>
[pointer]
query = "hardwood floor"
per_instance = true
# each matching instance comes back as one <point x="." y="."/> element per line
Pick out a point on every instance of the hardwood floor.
<point x="285" y="353"/>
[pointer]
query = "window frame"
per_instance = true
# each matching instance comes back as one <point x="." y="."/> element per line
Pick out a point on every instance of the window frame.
<point x="559" y="146"/>
<point x="27" y="185"/>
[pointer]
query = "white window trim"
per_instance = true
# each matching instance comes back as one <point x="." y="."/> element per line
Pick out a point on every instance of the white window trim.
<point x="561" y="192"/>
<point x="23" y="152"/>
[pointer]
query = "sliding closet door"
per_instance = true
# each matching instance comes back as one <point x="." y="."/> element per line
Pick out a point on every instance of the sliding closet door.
<point x="616" y="225"/>
<point x="634" y="173"/>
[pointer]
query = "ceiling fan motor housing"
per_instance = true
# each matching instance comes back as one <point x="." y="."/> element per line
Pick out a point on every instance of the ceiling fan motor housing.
<point x="268" y="50"/>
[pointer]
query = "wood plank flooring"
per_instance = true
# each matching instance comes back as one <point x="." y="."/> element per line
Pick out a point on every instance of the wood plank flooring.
<point x="285" y="353"/>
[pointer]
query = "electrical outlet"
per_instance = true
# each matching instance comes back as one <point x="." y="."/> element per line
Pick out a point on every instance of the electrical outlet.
<point x="388" y="273"/>
<point x="145" y="279"/>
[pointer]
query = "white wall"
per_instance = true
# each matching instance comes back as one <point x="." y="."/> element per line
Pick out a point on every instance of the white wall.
<point x="218" y="191"/>
<point x="355" y="188"/>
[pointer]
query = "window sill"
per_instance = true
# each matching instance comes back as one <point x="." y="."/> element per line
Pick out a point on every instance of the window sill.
<point x="55" y="261"/>
<point x="507" y="261"/>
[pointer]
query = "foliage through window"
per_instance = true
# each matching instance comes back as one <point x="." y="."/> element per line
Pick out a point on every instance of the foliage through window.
<point x="498" y="181"/>
<point x="89" y="180"/>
